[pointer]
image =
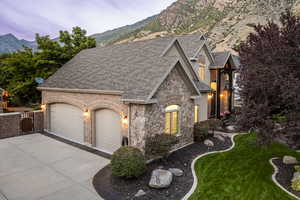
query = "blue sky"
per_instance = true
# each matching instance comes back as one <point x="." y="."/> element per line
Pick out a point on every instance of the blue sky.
<point x="24" y="18"/>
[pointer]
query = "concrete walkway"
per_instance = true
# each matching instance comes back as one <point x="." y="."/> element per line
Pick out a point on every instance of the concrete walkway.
<point x="36" y="167"/>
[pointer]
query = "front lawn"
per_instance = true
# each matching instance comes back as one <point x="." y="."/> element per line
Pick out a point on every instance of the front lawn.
<point x="243" y="173"/>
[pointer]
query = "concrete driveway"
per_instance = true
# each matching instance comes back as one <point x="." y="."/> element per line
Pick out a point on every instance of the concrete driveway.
<point x="36" y="167"/>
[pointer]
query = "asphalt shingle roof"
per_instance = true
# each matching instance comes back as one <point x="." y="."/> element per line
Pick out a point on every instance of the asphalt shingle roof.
<point x="132" y="68"/>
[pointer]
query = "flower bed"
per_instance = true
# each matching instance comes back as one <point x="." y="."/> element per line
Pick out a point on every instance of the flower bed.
<point x="111" y="188"/>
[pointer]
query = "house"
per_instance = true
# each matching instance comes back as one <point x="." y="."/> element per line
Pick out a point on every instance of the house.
<point x="108" y="96"/>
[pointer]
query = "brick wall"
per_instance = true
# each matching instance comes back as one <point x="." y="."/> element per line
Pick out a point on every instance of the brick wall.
<point x="10" y="125"/>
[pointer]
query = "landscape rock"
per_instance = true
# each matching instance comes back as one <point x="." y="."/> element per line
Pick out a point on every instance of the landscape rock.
<point x="296" y="176"/>
<point x="140" y="193"/>
<point x="219" y="137"/>
<point x="160" y="178"/>
<point x="289" y="160"/>
<point x="230" y="128"/>
<point x="176" y="171"/>
<point x="209" y="143"/>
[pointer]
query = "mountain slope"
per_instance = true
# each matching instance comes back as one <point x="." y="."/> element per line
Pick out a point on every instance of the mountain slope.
<point x="225" y="22"/>
<point x="106" y="37"/>
<point x="9" y="43"/>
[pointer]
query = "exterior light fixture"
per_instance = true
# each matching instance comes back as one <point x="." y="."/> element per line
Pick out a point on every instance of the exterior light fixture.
<point x="43" y="107"/>
<point x="210" y="96"/>
<point x="125" y="120"/>
<point x="221" y="95"/>
<point x="86" y="113"/>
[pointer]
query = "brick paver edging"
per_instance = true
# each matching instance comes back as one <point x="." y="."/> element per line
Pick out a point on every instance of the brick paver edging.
<point x="276" y="182"/>
<point x="192" y="190"/>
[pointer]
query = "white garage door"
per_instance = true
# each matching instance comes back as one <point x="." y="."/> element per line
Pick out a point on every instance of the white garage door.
<point x="108" y="130"/>
<point x="67" y="121"/>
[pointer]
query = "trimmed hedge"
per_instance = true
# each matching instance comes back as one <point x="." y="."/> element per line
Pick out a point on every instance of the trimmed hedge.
<point x="160" y="145"/>
<point x="205" y="129"/>
<point x="128" y="162"/>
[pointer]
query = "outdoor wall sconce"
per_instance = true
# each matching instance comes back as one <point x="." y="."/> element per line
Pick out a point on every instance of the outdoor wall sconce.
<point x="210" y="96"/>
<point x="86" y="113"/>
<point x="125" y="120"/>
<point x="43" y="107"/>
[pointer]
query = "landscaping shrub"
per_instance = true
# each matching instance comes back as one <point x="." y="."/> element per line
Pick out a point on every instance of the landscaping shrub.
<point x="128" y="162"/>
<point x="296" y="185"/>
<point x="160" y="145"/>
<point x="297" y="168"/>
<point x="205" y="129"/>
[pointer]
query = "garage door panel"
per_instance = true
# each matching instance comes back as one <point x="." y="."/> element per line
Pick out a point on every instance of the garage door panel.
<point x="67" y="121"/>
<point x="108" y="130"/>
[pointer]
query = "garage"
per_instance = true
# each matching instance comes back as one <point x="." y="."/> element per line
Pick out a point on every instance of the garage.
<point x="67" y="121"/>
<point x="108" y="130"/>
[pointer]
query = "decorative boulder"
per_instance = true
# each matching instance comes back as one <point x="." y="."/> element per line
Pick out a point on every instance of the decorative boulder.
<point x="160" y="178"/>
<point x="140" y="193"/>
<point x="209" y="143"/>
<point x="289" y="160"/>
<point x="230" y="128"/>
<point x="176" y="172"/>
<point x="219" y="137"/>
<point x="296" y="176"/>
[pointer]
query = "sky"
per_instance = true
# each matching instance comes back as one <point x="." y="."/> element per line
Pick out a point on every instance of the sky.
<point x="24" y="18"/>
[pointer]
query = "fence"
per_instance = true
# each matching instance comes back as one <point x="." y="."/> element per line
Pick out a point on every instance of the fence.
<point x="14" y="124"/>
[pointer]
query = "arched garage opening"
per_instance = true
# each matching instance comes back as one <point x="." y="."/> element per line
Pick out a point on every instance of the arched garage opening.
<point x="108" y="130"/>
<point x="67" y="121"/>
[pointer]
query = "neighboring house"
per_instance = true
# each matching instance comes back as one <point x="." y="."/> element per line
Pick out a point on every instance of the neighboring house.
<point x="122" y="93"/>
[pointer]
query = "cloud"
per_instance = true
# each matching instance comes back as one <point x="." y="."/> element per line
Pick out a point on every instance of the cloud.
<point x="24" y="18"/>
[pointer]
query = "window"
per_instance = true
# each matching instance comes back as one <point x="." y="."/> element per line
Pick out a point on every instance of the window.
<point x="202" y="73"/>
<point x="172" y="119"/>
<point x="196" y="114"/>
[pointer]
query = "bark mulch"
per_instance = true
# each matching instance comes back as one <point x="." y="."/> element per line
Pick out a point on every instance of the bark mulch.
<point x="112" y="188"/>
<point x="285" y="175"/>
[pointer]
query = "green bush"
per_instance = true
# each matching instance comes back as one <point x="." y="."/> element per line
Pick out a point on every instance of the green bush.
<point x="296" y="185"/>
<point x="160" y="145"/>
<point x="205" y="129"/>
<point x="297" y="168"/>
<point x="128" y="162"/>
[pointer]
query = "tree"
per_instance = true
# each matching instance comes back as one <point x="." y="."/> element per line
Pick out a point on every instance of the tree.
<point x="270" y="78"/>
<point x="19" y="70"/>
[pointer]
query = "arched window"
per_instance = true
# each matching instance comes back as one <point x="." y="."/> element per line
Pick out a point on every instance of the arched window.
<point x="172" y="119"/>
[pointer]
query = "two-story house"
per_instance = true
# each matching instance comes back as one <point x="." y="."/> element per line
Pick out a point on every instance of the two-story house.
<point x="107" y="96"/>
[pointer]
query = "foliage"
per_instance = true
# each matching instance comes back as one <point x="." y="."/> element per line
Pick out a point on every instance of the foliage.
<point x="242" y="173"/>
<point x="297" y="168"/>
<point x="296" y="185"/>
<point x="128" y="162"/>
<point x="19" y="70"/>
<point x="160" y="145"/>
<point x="205" y="129"/>
<point x="270" y="77"/>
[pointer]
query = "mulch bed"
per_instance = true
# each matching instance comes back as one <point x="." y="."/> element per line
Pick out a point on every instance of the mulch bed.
<point x="112" y="188"/>
<point x="285" y="175"/>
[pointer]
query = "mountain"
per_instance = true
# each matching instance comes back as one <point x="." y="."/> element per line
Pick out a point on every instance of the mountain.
<point x="111" y="35"/>
<point x="9" y="43"/>
<point x="225" y="22"/>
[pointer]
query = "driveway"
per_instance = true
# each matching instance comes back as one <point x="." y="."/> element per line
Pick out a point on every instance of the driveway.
<point x="36" y="167"/>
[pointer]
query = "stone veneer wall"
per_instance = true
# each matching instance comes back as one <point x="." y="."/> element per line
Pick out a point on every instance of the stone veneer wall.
<point x="173" y="91"/>
<point x="92" y="102"/>
<point x="10" y="124"/>
<point x="137" y="126"/>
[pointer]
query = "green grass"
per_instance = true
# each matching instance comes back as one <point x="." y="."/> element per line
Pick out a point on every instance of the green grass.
<point x="244" y="173"/>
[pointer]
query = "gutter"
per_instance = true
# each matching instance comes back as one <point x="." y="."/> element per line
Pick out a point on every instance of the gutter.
<point x="88" y="91"/>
